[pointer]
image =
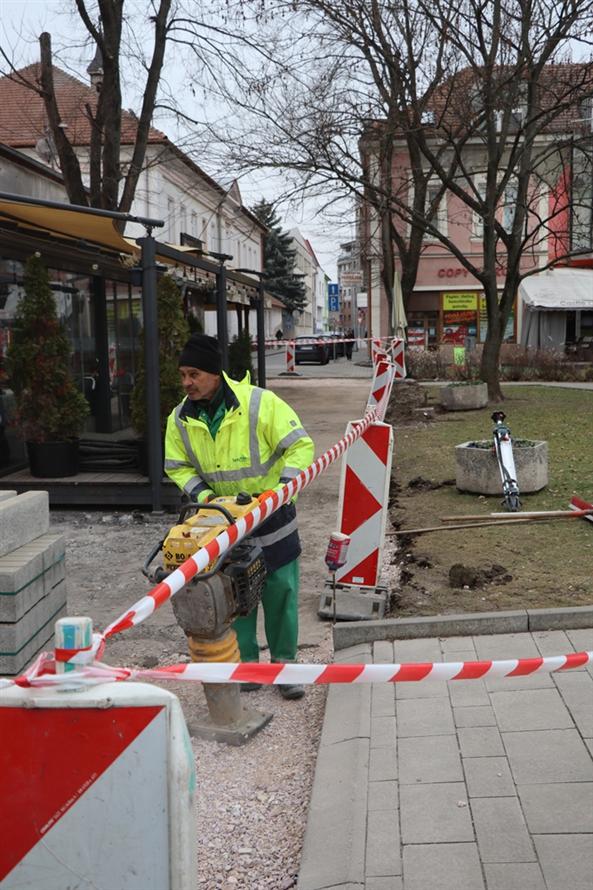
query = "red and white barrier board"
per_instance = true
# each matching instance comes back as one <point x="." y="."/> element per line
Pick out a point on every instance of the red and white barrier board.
<point x="381" y="386"/>
<point x="97" y="790"/>
<point x="398" y="358"/>
<point x="362" y="511"/>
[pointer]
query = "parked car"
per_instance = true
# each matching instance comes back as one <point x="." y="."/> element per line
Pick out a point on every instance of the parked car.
<point x="332" y="346"/>
<point x="317" y="353"/>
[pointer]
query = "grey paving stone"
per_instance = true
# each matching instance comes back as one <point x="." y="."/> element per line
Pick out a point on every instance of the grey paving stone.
<point x="477" y="716"/>
<point x="429" y="759"/>
<point x="468" y="693"/>
<point x="383" y="846"/>
<point x="531" y="709"/>
<point x="22" y="519"/>
<point x="488" y="777"/>
<point x="382" y="765"/>
<point x="558" y="808"/>
<point x="514" y="876"/>
<point x="382" y="732"/>
<point x="430" y="814"/>
<point x="337" y="811"/>
<point x="512" y="684"/>
<point x="589" y="744"/>
<point x="566" y="860"/>
<point x="581" y="639"/>
<point x="421" y="717"/>
<point x="552" y="642"/>
<point x="418" y="650"/>
<point x="502" y="646"/>
<point x="383" y="796"/>
<point x="576" y="688"/>
<point x="382" y="700"/>
<point x="452" y="646"/>
<point x="442" y="867"/>
<point x="501" y="831"/>
<point x="540" y="757"/>
<point x="383" y="652"/>
<point x="360" y="653"/>
<point x="480" y="741"/>
<point x="383" y="884"/>
<point x="347" y="713"/>
<point x="422" y="689"/>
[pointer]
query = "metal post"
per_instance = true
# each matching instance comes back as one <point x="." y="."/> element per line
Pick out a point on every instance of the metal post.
<point x="221" y="316"/>
<point x="261" y="336"/>
<point x="152" y="370"/>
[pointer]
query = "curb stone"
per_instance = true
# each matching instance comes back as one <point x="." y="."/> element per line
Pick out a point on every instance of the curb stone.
<point x="350" y="633"/>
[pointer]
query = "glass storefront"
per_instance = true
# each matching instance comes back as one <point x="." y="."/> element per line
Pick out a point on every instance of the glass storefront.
<point x="103" y="319"/>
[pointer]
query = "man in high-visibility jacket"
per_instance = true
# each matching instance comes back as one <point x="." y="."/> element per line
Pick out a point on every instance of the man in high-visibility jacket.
<point x="228" y="436"/>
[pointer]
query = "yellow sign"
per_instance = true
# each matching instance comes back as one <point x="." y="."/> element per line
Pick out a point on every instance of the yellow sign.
<point x="459" y="355"/>
<point x="458" y="301"/>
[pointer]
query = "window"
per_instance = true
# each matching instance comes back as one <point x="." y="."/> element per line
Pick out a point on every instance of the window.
<point x="194" y="224"/>
<point x="183" y="218"/>
<point x="439" y="219"/>
<point x="477" y="219"/>
<point x="171" y="219"/>
<point x="509" y="206"/>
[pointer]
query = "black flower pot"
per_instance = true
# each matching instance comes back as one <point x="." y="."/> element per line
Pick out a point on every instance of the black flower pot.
<point x="50" y="460"/>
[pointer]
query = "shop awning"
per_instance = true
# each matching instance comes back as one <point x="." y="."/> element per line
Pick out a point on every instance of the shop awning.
<point x="68" y="222"/>
<point x="558" y="290"/>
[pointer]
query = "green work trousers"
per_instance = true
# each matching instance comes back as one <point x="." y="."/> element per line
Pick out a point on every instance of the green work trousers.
<point x="281" y="617"/>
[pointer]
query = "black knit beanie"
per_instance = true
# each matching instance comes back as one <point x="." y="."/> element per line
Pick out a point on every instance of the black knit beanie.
<point x="202" y="352"/>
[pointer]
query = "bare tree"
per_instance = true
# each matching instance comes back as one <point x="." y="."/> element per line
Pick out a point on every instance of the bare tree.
<point x="475" y="106"/>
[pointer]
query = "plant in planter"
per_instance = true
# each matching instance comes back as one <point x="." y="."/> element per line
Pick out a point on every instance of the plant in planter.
<point x="466" y="392"/>
<point x="240" y="356"/>
<point x="173" y="334"/>
<point x="49" y="409"/>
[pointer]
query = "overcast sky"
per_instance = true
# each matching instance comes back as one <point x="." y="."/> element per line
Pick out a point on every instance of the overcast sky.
<point x="21" y="22"/>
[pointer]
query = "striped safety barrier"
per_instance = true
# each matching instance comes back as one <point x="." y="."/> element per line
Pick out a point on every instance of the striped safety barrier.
<point x="310" y="674"/>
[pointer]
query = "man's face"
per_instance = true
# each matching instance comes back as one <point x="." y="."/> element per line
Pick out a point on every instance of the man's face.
<point x="198" y="384"/>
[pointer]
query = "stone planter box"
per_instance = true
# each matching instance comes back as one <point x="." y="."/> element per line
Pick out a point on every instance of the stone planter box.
<point x="464" y="397"/>
<point x="476" y="469"/>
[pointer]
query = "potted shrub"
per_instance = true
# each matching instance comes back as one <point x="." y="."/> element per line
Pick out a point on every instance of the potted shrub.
<point x="466" y="392"/>
<point x="173" y="334"/>
<point x="240" y="361"/>
<point x="49" y="409"/>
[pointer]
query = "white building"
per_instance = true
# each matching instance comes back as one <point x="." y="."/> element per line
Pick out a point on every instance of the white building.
<point x="314" y="318"/>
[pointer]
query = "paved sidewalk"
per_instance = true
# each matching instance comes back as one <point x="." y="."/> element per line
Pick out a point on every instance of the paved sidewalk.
<point x="466" y="785"/>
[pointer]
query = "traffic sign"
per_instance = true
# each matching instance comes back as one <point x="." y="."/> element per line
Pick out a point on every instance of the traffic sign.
<point x="333" y="303"/>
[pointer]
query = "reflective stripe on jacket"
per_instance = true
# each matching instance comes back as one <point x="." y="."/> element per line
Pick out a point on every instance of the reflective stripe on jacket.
<point x="259" y="445"/>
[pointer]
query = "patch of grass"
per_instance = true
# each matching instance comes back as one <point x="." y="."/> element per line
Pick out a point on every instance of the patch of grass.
<point x="550" y="563"/>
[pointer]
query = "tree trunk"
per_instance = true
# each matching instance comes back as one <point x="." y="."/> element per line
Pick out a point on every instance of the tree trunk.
<point x="489" y="367"/>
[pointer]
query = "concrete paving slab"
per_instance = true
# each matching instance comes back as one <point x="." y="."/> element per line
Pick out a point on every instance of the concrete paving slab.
<point x="383" y="884"/>
<point x="501" y="830"/>
<point x="480" y="741"/>
<point x="337" y="811"/>
<point x="506" y="684"/>
<point x="22" y="519"/>
<point x="582" y="640"/>
<point x="435" y="814"/>
<point x="558" y="808"/>
<point x="428" y="760"/>
<point x="383" y="700"/>
<point x="382" y="765"/>
<point x="348" y="713"/>
<point x="383" y="844"/>
<point x="383" y="796"/>
<point x="417" y="650"/>
<point x="515" y="875"/>
<point x="468" y="693"/>
<point x="383" y="652"/>
<point x="488" y="777"/>
<point x="442" y="867"/>
<point x="477" y="716"/>
<point x="576" y="690"/>
<point x="417" y="717"/>
<point x="428" y="689"/>
<point x="566" y="860"/>
<point x="452" y="646"/>
<point x="506" y="645"/>
<point x="552" y="642"/>
<point x="382" y="732"/>
<point x="542" y="756"/>
<point x="531" y="709"/>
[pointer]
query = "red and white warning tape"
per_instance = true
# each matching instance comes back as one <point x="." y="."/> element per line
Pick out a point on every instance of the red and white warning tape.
<point x="316" y="674"/>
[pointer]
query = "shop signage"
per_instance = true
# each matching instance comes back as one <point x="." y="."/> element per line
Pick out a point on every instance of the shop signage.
<point x="460" y="301"/>
<point x="348" y="279"/>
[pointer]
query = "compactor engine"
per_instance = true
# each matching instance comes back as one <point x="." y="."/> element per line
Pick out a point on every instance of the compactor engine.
<point x="242" y="570"/>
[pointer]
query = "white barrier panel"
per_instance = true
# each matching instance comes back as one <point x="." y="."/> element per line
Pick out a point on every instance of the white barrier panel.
<point x="97" y="790"/>
<point x="362" y="511"/>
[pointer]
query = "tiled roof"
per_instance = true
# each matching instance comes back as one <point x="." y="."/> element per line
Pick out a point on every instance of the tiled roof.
<point x="22" y="113"/>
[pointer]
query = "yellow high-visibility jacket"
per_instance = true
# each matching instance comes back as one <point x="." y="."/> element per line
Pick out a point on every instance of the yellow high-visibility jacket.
<point x="260" y="444"/>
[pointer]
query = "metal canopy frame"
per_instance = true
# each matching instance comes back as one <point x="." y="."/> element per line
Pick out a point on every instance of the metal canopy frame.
<point x="152" y="251"/>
